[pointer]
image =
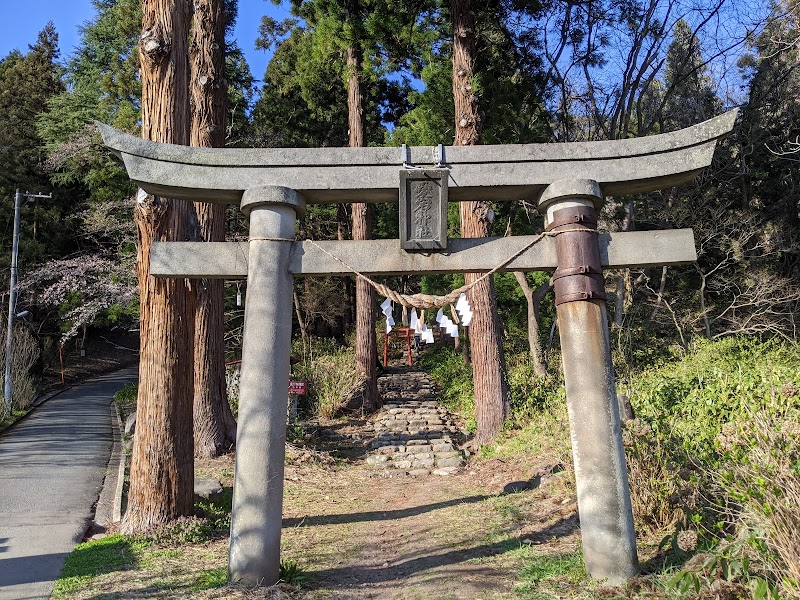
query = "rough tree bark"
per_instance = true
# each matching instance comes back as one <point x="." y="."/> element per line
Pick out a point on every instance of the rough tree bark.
<point x="214" y="425"/>
<point x="366" y="346"/>
<point x="342" y="233"/>
<point x="162" y="466"/>
<point x="488" y="361"/>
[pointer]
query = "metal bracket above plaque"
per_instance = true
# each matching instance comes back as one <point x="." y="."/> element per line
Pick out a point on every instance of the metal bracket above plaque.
<point x="423" y="209"/>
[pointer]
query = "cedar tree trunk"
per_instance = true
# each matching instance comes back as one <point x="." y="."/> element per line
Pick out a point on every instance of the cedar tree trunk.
<point x="214" y="426"/>
<point x="488" y="361"/>
<point x="162" y="466"/>
<point x="366" y="346"/>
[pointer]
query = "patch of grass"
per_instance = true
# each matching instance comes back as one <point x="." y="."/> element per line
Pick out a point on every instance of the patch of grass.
<point x="507" y="508"/>
<point x="210" y="578"/>
<point x="152" y="558"/>
<point x="125" y="400"/>
<point x="293" y="574"/>
<point x="454" y="380"/>
<point x="9" y="420"/>
<point x="541" y="572"/>
<point x="91" y="559"/>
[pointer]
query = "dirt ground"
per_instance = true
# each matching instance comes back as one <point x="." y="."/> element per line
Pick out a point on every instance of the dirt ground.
<point x="497" y="528"/>
<point x="365" y="536"/>
<point x="358" y="533"/>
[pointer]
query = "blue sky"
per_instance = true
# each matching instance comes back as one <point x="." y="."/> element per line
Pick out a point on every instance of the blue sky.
<point x="24" y="19"/>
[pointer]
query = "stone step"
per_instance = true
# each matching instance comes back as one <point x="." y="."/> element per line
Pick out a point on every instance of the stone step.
<point x="413" y="433"/>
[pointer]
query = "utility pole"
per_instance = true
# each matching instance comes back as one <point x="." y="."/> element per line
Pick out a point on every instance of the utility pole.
<point x="12" y="292"/>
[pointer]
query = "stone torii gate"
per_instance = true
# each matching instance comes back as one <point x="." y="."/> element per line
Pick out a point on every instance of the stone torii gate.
<point x="569" y="181"/>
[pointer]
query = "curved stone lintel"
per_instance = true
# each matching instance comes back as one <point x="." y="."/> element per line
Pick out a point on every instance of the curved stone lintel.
<point x="502" y="172"/>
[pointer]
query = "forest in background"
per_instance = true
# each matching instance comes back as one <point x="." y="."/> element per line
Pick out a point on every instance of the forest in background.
<point x="544" y="73"/>
<point x="697" y="348"/>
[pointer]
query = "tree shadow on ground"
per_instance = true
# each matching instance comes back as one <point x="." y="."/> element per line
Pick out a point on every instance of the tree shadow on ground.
<point x="442" y="556"/>
<point x="389" y="515"/>
<point x="378" y="515"/>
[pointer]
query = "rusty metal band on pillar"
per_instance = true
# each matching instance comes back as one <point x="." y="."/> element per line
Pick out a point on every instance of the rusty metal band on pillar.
<point x="580" y="275"/>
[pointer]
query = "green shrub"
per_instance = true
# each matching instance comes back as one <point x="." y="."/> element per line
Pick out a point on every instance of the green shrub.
<point x="332" y="381"/>
<point x="530" y="394"/>
<point x="683" y="410"/>
<point x="292" y="573"/>
<point x="666" y="483"/>
<point x="714" y="384"/>
<point x="726" y="572"/>
<point x="183" y="530"/>
<point x="760" y="475"/>
<point x="454" y="380"/>
<point x="125" y="400"/>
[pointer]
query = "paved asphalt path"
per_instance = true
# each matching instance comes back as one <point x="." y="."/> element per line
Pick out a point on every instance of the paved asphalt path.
<point x="52" y="466"/>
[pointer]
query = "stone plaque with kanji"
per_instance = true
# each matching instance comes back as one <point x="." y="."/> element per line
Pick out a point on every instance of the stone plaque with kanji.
<point x="423" y="209"/>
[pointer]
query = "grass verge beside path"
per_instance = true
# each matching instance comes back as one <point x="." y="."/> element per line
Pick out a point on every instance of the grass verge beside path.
<point x="12" y="418"/>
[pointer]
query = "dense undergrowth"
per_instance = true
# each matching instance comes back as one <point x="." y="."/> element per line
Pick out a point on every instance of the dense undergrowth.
<point x="713" y="456"/>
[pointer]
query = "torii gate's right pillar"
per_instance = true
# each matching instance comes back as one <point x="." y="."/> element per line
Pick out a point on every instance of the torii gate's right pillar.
<point x="604" y="503"/>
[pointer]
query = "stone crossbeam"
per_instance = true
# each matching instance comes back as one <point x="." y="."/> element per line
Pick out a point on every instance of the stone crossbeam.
<point x="228" y="260"/>
<point x="502" y="172"/>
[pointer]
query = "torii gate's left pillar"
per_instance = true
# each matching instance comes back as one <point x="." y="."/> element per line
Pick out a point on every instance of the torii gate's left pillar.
<point x="254" y="556"/>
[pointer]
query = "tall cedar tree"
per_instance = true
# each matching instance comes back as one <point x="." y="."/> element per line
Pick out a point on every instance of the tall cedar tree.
<point x="366" y="346"/>
<point x="162" y="467"/>
<point x="214" y="426"/>
<point x="488" y="361"/>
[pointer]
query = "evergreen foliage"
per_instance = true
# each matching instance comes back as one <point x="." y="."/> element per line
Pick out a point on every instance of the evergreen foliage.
<point x="27" y="82"/>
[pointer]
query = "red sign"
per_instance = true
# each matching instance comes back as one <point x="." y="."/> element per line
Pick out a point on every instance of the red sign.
<point x="297" y="388"/>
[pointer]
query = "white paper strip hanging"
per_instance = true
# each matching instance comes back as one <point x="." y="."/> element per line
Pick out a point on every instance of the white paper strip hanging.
<point x="439" y="315"/>
<point x="390" y="321"/>
<point x="464" y="310"/>
<point x="454" y="331"/>
<point x="413" y="321"/>
<point x="386" y="305"/>
<point x="388" y="327"/>
<point x="462" y="302"/>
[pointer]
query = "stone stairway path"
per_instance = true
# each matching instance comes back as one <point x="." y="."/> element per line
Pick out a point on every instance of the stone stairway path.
<point x="413" y="433"/>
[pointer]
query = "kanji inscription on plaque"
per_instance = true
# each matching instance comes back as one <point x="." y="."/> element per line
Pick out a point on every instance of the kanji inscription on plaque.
<point x="423" y="209"/>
